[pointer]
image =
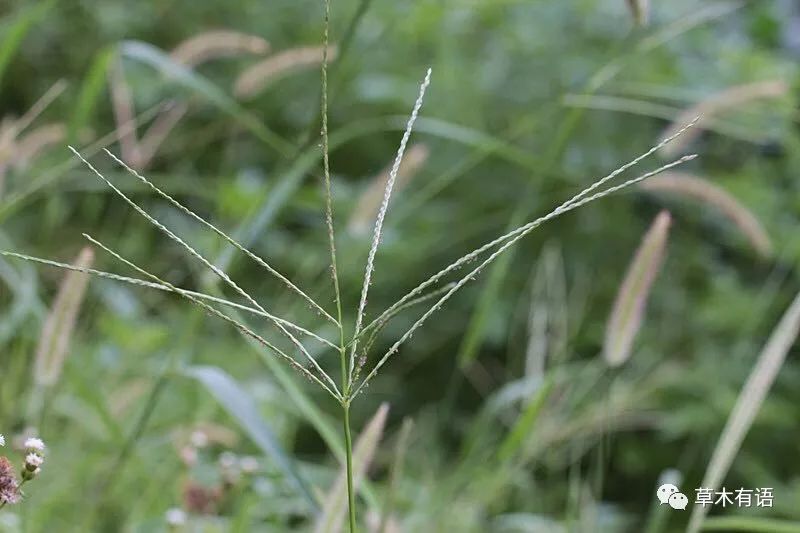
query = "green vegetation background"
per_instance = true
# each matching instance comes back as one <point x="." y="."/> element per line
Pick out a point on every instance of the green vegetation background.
<point x="530" y="101"/>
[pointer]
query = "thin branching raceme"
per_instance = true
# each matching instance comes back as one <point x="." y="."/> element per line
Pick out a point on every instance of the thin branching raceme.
<point x="225" y="236"/>
<point x="514" y="233"/>
<point x="214" y="311"/>
<point x="209" y="265"/>
<point x="350" y="386"/>
<point x="509" y="243"/>
<point x="376" y="236"/>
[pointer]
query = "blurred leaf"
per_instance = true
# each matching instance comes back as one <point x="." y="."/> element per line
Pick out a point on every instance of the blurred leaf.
<point x="170" y="69"/>
<point x="90" y="92"/>
<point x="526" y="421"/>
<point x="242" y="408"/>
<point x="748" y="404"/>
<point x="18" y="31"/>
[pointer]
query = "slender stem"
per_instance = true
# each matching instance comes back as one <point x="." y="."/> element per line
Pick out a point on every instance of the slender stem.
<point x="348" y="444"/>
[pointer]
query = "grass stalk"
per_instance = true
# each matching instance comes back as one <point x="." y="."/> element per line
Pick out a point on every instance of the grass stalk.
<point x="348" y="447"/>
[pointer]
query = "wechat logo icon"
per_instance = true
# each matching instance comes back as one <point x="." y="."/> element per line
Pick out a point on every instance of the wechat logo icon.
<point x="670" y="494"/>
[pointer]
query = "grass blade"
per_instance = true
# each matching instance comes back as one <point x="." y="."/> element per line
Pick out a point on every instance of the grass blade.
<point x="748" y="404"/>
<point x="90" y="92"/>
<point x="628" y="311"/>
<point x="242" y="408"/>
<point x="18" y="31"/>
<point x="526" y="421"/>
<point x="547" y="314"/>
<point x="333" y="512"/>
<point x="396" y="475"/>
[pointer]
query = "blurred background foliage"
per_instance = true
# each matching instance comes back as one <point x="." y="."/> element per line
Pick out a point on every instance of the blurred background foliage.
<point x="530" y="102"/>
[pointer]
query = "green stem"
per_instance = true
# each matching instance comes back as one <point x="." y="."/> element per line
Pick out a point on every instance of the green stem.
<point x="348" y="444"/>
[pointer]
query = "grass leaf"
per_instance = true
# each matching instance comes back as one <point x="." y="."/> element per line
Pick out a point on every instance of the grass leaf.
<point x="90" y="92"/>
<point x="150" y="55"/>
<point x="18" y="31"/>
<point x="748" y="404"/>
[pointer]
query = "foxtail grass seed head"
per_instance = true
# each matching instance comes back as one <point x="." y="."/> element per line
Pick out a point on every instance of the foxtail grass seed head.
<point x="370" y="200"/>
<point x="9" y="486"/>
<point x="217" y="44"/>
<point x="730" y="99"/>
<point x="629" y="306"/>
<point x="705" y="191"/>
<point x="259" y="76"/>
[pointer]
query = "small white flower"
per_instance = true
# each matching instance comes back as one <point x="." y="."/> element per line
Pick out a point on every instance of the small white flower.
<point x="227" y="460"/>
<point x="33" y="460"/>
<point x="188" y="455"/>
<point x="248" y="464"/>
<point x="175" y="517"/>
<point x="2" y="440"/>
<point x="199" y="439"/>
<point x="32" y="444"/>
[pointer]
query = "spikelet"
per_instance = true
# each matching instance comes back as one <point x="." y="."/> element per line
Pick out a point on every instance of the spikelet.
<point x="716" y="104"/>
<point x="217" y="44"/>
<point x="703" y="190"/>
<point x="256" y="78"/>
<point x="370" y="201"/>
<point x="628" y="311"/>
<point x="60" y="322"/>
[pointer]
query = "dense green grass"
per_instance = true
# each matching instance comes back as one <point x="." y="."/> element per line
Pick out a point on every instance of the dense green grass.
<point x="530" y="102"/>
